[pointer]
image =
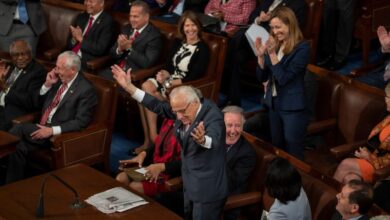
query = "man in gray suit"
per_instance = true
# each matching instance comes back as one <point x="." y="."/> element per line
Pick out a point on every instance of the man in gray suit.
<point x="140" y="44"/>
<point x="21" y="19"/>
<point x="68" y="105"/>
<point x="200" y="129"/>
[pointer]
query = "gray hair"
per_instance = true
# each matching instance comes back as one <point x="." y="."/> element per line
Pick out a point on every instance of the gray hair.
<point x="12" y="45"/>
<point x="235" y="110"/>
<point x="72" y="60"/>
<point x="189" y="92"/>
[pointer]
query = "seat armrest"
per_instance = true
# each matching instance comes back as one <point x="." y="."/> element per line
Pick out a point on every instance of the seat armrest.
<point x="77" y="134"/>
<point x="174" y="184"/>
<point x="321" y="126"/>
<point x="242" y="199"/>
<point x="382" y="173"/>
<point x="364" y="70"/>
<point x="99" y="63"/>
<point x="26" y="118"/>
<point x="143" y="74"/>
<point x="52" y="53"/>
<point x="341" y="151"/>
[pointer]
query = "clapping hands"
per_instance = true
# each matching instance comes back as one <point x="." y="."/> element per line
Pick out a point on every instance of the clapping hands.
<point x="384" y="38"/>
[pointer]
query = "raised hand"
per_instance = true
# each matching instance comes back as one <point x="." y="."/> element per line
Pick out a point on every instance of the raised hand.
<point x="77" y="33"/>
<point x="271" y="45"/>
<point x="260" y="47"/>
<point x="384" y="38"/>
<point x="124" y="42"/>
<point x="4" y="68"/>
<point x="198" y="134"/>
<point x="51" y="78"/>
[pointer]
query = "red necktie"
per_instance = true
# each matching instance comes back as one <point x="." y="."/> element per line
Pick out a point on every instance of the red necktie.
<point x="53" y="104"/>
<point x="77" y="47"/>
<point x="122" y="63"/>
<point x="173" y="6"/>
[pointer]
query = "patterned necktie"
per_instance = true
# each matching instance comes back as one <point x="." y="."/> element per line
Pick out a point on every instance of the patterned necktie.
<point x="78" y="45"/>
<point x="23" y="16"/>
<point x="122" y="63"/>
<point x="53" y="104"/>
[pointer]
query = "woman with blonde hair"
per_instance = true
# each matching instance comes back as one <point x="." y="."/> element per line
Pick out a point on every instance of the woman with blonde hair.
<point x="282" y="61"/>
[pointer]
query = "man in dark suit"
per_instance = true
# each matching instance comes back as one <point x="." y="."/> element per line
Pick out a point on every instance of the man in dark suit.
<point x="18" y="82"/>
<point x="354" y="201"/>
<point x="200" y="129"/>
<point x="68" y="105"/>
<point x="21" y="19"/>
<point x="140" y="43"/>
<point x="92" y="33"/>
<point x="171" y="10"/>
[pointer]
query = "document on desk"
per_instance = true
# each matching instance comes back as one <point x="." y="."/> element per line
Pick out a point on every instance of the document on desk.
<point x="255" y="31"/>
<point x="116" y="199"/>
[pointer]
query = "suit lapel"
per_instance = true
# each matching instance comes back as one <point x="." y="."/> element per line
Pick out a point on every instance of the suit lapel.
<point x="70" y="92"/>
<point x="142" y="35"/>
<point x="96" y="24"/>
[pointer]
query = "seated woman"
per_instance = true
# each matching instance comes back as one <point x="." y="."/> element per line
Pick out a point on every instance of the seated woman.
<point x="234" y="12"/>
<point x="188" y="60"/>
<point x="163" y="158"/>
<point x="366" y="162"/>
<point x="284" y="183"/>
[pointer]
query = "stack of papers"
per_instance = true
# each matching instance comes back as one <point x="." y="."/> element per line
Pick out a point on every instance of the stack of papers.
<point x="116" y="199"/>
<point x="253" y="32"/>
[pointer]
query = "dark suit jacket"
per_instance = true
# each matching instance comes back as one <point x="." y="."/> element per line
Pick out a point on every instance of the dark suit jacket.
<point x="35" y="14"/>
<point x="20" y="99"/>
<point x="75" y="111"/>
<point x="298" y="6"/>
<point x="99" y="38"/>
<point x="203" y="170"/>
<point x="289" y="78"/>
<point x="146" y="51"/>
<point x="198" y="63"/>
<point x="241" y="160"/>
<point x="337" y="216"/>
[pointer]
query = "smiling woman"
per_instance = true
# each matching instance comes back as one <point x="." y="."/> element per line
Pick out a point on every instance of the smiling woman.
<point x="188" y="60"/>
<point x="282" y="65"/>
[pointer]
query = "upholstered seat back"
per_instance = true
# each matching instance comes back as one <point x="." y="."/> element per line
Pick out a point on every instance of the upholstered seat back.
<point x="59" y="16"/>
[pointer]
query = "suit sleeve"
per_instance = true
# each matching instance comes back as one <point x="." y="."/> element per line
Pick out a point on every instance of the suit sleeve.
<point x="84" y="111"/>
<point x="150" y="54"/>
<point x="285" y="73"/>
<point x="98" y="46"/>
<point x="242" y="167"/>
<point x="199" y="63"/>
<point x="159" y="107"/>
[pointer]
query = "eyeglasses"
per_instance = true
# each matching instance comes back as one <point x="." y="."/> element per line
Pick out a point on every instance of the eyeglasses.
<point x="17" y="54"/>
<point x="182" y="111"/>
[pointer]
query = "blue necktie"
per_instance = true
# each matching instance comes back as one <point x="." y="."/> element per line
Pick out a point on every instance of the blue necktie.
<point x="23" y="17"/>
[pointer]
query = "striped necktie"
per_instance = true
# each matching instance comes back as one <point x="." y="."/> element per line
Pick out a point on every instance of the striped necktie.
<point x="53" y="104"/>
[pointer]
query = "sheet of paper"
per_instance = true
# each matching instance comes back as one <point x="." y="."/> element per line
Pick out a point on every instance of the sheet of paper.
<point x="255" y="31"/>
<point x="141" y="170"/>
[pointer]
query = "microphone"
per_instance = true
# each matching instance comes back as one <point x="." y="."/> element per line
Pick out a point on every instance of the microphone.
<point x="77" y="204"/>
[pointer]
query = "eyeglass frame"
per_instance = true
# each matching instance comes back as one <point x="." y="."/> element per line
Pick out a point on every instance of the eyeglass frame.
<point x="182" y="111"/>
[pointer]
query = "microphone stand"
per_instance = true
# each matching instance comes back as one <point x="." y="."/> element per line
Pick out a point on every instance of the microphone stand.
<point x="77" y="204"/>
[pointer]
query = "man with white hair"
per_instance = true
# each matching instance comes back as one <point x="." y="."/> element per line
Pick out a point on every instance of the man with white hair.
<point x="68" y="104"/>
<point x="199" y="127"/>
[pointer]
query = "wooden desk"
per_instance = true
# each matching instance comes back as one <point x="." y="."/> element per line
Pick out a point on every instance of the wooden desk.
<point x="19" y="200"/>
<point x="7" y="143"/>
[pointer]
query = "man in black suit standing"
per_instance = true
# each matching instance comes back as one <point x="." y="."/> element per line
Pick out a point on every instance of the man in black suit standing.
<point x="140" y="43"/>
<point x="354" y="201"/>
<point x="92" y="32"/>
<point x="18" y="83"/>
<point x="68" y="105"/>
<point x="200" y="129"/>
<point x="21" y="19"/>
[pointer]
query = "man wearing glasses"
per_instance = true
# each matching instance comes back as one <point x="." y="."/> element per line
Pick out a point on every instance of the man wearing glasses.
<point x="18" y="82"/>
<point x="200" y="129"/>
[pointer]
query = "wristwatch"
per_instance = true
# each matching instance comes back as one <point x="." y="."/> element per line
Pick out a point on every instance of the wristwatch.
<point x="168" y="83"/>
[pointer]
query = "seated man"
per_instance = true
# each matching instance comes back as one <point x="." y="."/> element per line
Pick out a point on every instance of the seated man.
<point x="354" y="201"/>
<point x="380" y="76"/>
<point x="163" y="160"/>
<point x="140" y="43"/>
<point x="241" y="160"/>
<point x="92" y="32"/>
<point x="68" y="104"/>
<point x="18" y="82"/>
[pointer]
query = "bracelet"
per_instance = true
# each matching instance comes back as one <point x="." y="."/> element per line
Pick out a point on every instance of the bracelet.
<point x="168" y="83"/>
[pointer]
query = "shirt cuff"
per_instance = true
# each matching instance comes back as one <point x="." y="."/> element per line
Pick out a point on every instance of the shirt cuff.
<point x="117" y="51"/>
<point x="44" y="90"/>
<point x="208" y="142"/>
<point x="56" y="130"/>
<point x="138" y="95"/>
